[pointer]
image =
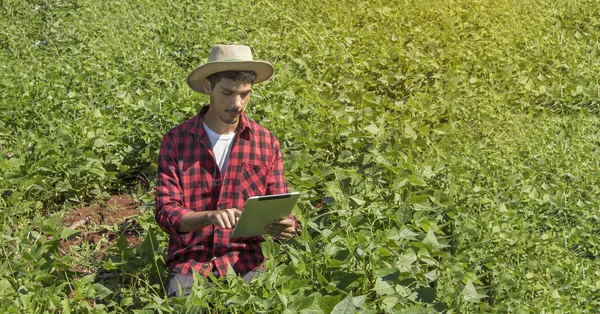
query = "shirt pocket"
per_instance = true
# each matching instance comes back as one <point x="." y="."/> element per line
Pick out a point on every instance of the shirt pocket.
<point x="252" y="180"/>
<point x="197" y="186"/>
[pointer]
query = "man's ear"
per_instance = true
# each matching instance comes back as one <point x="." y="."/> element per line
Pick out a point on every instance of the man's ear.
<point x="207" y="86"/>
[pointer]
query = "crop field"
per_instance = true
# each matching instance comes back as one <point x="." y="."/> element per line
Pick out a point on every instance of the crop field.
<point x="447" y="153"/>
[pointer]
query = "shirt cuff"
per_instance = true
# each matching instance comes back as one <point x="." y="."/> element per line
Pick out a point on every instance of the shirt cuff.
<point x="173" y="218"/>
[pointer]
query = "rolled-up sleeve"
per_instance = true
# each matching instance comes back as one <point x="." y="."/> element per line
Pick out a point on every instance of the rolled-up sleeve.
<point x="169" y="193"/>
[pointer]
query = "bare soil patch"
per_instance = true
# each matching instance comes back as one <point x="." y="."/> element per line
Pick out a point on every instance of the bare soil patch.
<point x="102" y="225"/>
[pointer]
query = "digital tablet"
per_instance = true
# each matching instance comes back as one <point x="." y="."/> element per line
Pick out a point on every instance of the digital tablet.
<point x="260" y="211"/>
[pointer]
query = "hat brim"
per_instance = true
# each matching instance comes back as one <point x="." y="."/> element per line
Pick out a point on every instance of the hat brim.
<point x="264" y="70"/>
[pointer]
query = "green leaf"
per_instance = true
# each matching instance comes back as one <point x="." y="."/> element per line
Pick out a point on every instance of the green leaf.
<point x="12" y="177"/>
<point x="65" y="306"/>
<point x="126" y="302"/>
<point x="270" y="249"/>
<point x="408" y="234"/>
<point x="382" y="287"/>
<point x="409" y="132"/>
<point x="302" y="303"/>
<point x="283" y="298"/>
<point x="327" y="303"/>
<point x="99" y="142"/>
<point x="406" y="260"/>
<point x="111" y="265"/>
<point x="416" y="180"/>
<point x="344" y="306"/>
<point x="6" y="288"/>
<point x="359" y="301"/>
<point x="372" y="128"/>
<point x="349" y="280"/>
<point x="359" y="201"/>
<point x="68" y="233"/>
<point x="470" y="294"/>
<point x="426" y="294"/>
<point x="101" y="292"/>
<point x="431" y="240"/>
<point x="390" y="301"/>
<point x="63" y="186"/>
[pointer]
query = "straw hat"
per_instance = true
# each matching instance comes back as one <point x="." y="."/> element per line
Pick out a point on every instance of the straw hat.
<point x="229" y="58"/>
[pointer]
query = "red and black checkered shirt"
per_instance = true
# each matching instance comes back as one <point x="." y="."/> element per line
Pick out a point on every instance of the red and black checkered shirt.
<point x="189" y="180"/>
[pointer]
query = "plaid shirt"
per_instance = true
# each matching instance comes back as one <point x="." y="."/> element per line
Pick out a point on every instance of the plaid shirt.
<point x="189" y="180"/>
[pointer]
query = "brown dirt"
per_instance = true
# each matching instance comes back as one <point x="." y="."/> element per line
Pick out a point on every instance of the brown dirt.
<point x="102" y="225"/>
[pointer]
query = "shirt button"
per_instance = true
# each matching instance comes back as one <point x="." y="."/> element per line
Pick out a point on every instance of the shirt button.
<point x="218" y="183"/>
<point x="220" y="206"/>
<point x="218" y="231"/>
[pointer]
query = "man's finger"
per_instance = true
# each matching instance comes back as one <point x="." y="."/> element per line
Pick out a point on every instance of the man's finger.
<point x="219" y="220"/>
<point x="280" y="233"/>
<point x="285" y="222"/>
<point x="231" y="218"/>
<point x="280" y="227"/>
<point x="228" y="216"/>
<point x="282" y="236"/>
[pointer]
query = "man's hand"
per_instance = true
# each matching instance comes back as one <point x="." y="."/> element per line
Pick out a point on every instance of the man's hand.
<point x="226" y="218"/>
<point x="282" y="229"/>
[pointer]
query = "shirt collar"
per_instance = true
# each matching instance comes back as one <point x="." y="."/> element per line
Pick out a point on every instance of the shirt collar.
<point x="244" y="127"/>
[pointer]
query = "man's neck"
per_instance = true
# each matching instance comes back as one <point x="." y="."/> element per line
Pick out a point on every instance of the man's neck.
<point x="217" y="125"/>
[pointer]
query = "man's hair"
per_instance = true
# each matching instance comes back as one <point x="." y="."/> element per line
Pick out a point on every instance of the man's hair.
<point x="243" y="76"/>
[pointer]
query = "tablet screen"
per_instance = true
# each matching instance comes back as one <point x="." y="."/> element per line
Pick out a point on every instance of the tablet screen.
<point x="260" y="211"/>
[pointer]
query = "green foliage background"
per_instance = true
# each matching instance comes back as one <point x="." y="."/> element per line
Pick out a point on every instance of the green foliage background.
<point x="447" y="150"/>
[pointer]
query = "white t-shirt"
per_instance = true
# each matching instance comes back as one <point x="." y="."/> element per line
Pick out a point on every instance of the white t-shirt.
<point x="221" y="146"/>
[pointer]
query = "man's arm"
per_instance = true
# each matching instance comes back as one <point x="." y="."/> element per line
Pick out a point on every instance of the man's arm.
<point x="226" y="219"/>
<point x="169" y="193"/>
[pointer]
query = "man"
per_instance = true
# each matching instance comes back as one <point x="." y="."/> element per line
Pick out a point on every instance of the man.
<point x="209" y="166"/>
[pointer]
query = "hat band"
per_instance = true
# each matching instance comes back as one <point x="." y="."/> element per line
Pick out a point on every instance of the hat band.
<point x="227" y="60"/>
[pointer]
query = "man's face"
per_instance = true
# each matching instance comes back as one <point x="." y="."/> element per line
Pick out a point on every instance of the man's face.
<point x="228" y="100"/>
